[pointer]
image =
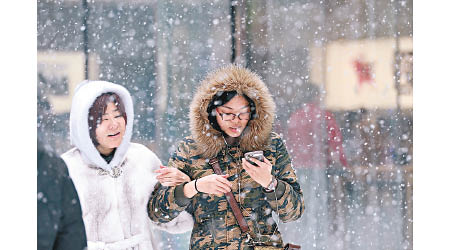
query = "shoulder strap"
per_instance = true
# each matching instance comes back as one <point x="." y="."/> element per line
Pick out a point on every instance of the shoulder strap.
<point x="230" y="198"/>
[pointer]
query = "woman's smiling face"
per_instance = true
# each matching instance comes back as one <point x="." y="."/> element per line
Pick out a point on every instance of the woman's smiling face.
<point x="110" y="131"/>
<point x="233" y="116"/>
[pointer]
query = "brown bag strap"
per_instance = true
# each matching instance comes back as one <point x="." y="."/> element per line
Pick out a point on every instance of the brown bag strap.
<point x="235" y="207"/>
<point x="231" y="200"/>
<point x="291" y="246"/>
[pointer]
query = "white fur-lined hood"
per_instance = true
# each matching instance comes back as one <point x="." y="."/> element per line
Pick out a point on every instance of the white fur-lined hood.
<point x="85" y="95"/>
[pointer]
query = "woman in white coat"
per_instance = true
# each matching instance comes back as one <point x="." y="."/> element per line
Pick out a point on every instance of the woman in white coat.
<point x="114" y="177"/>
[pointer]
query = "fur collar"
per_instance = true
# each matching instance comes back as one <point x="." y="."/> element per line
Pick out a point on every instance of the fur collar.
<point x="85" y="95"/>
<point x="232" y="77"/>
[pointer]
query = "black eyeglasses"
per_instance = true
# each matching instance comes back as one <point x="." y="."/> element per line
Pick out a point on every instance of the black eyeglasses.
<point x="231" y="116"/>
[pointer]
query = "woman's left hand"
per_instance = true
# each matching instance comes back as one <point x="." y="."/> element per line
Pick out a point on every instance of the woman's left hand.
<point x="261" y="173"/>
<point x="170" y="176"/>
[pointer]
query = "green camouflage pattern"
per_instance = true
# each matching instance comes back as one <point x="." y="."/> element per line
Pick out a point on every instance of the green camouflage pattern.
<point x="215" y="226"/>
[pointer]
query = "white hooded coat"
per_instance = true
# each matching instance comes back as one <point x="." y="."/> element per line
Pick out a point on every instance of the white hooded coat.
<point x="114" y="196"/>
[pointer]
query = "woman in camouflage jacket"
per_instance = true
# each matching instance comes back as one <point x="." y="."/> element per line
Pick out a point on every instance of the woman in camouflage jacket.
<point x="231" y="114"/>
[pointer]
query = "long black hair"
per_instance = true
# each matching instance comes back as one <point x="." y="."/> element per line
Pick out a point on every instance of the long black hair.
<point x="219" y="99"/>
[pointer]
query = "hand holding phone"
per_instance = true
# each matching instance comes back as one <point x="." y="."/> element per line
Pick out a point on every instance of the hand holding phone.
<point x="261" y="173"/>
<point x="256" y="155"/>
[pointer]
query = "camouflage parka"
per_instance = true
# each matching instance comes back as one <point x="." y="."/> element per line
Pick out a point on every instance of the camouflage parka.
<point x="215" y="226"/>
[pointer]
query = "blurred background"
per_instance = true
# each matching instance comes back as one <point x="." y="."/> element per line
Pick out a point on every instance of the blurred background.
<point x="341" y="73"/>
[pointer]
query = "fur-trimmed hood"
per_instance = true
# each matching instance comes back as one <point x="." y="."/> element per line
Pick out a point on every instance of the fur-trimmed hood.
<point x="85" y="95"/>
<point x="232" y="77"/>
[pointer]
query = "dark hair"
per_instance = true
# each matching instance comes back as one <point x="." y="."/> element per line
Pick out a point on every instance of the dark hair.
<point x="219" y="99"/>
<point x="97" y="110"/>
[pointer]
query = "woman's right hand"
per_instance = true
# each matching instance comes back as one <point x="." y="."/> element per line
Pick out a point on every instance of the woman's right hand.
<point x="211" y="184"/>
<point x="214" y="184"/>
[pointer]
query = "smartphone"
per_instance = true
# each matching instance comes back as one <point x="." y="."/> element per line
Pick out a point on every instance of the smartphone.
<point x="254" y="154"/>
